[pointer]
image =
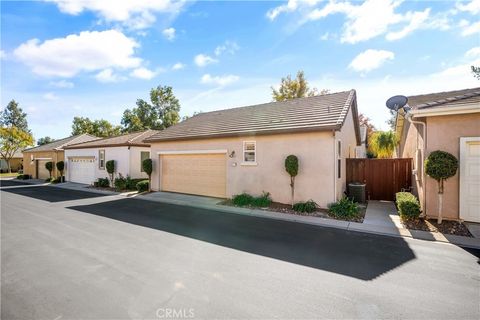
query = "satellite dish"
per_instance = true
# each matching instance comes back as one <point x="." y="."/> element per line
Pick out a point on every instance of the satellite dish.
<point x="396" y="103"/>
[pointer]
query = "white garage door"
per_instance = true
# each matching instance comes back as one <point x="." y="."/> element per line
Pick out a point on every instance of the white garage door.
<point x="42" y="172"/>
<point x="470" y="179"/>
<point x="202" y="174"/>
<point x="81" y="170"/>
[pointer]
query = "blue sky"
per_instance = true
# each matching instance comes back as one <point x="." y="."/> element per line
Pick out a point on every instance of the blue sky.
<point x="61" y="59"/>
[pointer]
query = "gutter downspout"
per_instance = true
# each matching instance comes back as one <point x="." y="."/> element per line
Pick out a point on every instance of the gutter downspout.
<point x="335" y="169"/>
<point x="422" y="153"/>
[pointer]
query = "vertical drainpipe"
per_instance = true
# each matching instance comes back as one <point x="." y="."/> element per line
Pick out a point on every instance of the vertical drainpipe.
<point x="335" y="169"/>
<point x="422" y="153"/>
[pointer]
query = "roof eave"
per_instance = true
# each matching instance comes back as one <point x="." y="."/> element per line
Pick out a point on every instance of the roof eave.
<point x="107" y="146"/>
<point x="445" y="111"/>
<point x="248" y="133"/>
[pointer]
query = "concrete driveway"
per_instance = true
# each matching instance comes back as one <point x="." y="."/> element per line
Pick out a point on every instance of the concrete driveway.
<point x="76" y="255"/>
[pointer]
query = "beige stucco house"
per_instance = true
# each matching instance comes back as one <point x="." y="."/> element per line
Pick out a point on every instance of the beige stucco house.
<point x="34" y="159"/>
<point x="227" y="152"/>
<point x="447" y="121"/>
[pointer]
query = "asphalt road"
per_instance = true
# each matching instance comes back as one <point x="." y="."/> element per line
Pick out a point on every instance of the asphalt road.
<point x="77" y="255"/>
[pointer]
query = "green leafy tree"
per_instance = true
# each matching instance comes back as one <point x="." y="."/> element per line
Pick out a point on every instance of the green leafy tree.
<point x="147" y="166"/>
<point x="44" y="140"/>
<point x="100" y="128"/>
<point x="392" y="120"/>
<point x="61" y="167"/>
<point x="13" y="116"/>
<point x="476" y="72"/>
<point x="161" y="112"/>
<point x="295" y="88"/>
<point x="382" y="144"/>
<point x="49" y="167"/>
<point x="12" y="140"/>
<point x="110" y="165"/>
<point x="441" y="165"/>
<point x="291" y="166"/>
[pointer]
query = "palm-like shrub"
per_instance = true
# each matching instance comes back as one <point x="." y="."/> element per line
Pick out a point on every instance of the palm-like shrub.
<point x="441" y="165"/>
<point x="61" y="167"/>
<point x="382" y="143"/>
<point x="147" y="166"/>
<point x="110" y="166"/>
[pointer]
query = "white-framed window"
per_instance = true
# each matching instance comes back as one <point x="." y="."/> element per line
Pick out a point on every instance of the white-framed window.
<point x="101" y="159"/>
<point x="143" y="156"/>
<point x="249" y="152"/>
<point x="339" y="159"/>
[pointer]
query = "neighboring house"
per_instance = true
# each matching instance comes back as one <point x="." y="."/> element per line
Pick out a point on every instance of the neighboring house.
<point x="86" y="162"/>
<point x="447" y="121"/>
<point x="16" y="163"/>
<point x="34" y="159"/>
<point x="361" y="150"/>
<point x="227" y="152"/>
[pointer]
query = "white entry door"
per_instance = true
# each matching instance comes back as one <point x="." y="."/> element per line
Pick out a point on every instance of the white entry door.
<point x="81" y="170"/>
<point x="470" y="179"/>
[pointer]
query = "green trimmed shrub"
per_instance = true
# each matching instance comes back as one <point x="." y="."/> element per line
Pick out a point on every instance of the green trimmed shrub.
<point x="307" y="206"/>
<point x="110" y="166"/>
<point x="24" y="177"/>
<point x="142" y="185"/>
<point x="120" y="182"/>
<point x="49" y="167"/>
<point x="147" y="166"/>
<point x="291" y="166"/>
<point x="242" y="200"/>
<point x="102" y="183"/>
<point x="344" y="208"/>
<point x="408" y="205"/>
<point x="263" y="201"/>
<point x="48" y="179"/>
<point x="60" y="167"/>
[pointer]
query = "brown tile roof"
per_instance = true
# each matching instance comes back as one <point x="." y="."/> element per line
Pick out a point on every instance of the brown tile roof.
<point x="444" y="99"/>
<point x="129" y="139"/>
<point x="325" y="112"/>
<point x="62" y="143"/>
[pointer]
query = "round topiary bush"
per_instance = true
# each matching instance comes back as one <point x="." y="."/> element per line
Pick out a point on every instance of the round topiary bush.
<point x="110" y="166"/>
<point x="49" y="167"/>
<point x="441" y="165"/>
<point x="147" y="166"/>
<point x="60" y="167"/>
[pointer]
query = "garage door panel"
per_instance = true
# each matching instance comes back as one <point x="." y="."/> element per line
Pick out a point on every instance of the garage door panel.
<point x="469" y="175"/>
<point x="201" y="174"/>
<point x="81" y="170"/>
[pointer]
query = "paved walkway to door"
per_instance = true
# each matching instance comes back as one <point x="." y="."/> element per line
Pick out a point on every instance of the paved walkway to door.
<point x="383" y="214"/>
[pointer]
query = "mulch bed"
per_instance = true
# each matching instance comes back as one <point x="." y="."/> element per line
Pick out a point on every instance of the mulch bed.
<point x="287" y="209"/>
<point x="431" y="225"/>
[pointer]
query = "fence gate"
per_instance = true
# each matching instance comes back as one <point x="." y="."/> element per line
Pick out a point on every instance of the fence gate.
<point x="383" y="177"/>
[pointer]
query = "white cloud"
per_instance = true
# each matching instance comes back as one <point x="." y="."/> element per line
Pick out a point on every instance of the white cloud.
<point x="202" y="60"/>
<point x="62" y="84"/>
<point x="371" y="59"/>
<point x="143" y="73"/>
<point x="50" y="96"/>
<point x="290" y="6"/>
<point x="87" y="51"/>
<point x="219" y="80"/>
<point x="227" y="47"/>
<point x="178" y="66"/>
<point x="416" y="21"/>
<point x="169" y="34"/>
<point x="3" y="54"/>
<point x="108" y="76"/>
<point x="473" y="53"/>
<point x="137" y="14"/>
<point x="472" y="7"/>
<point x="366" y="20"/>
<point x="468" y="28"/>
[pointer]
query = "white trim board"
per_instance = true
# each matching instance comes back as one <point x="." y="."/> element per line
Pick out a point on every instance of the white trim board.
<point x="462" y="192"/>
<point x="192" y="151"/>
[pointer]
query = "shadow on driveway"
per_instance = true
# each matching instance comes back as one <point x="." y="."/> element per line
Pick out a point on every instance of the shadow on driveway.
<point x="11" y="183"/>
<point x="358" y="255"/>
<point x="52" y="194"/>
